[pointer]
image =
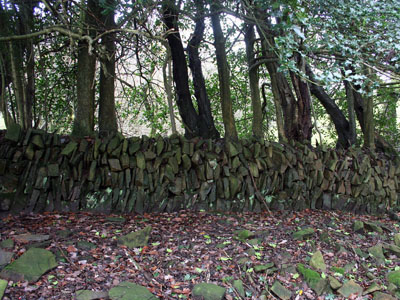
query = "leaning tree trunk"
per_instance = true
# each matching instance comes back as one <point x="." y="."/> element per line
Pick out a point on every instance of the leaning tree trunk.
<point x="85" y="79"/>
<point x="107" y="114"/>
<point x="257" y="121"/>
<point x="223" y="74"/>
<point x="342" y="126"/>
<point x="180" y="72"/>
<point x="206" y="121"/>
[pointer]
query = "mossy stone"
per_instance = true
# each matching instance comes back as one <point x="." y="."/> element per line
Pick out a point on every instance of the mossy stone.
<point x="317" y="261"/>
<point x="3" y="286"/>
<point x="85" y="245"/>
<point x="279" y="290"/>
<point x="243" y="234"/>
<point x="130" y="291"/>
<point x="394" y="278"/>
<point x="136" y="239"/>
<point x="310" y="276"/>
<point x="349" y="288"/>
<point x="358" y="226"/>
<point x="7" y="244"/>
<point x="90" y="295"/>
<point x="30" y="266"/>
<point x="334" y="283"/>
<point x="231" y="149"/>
<point x="382" y="296"/>
<point x="238" y="285"/>
<point x="397" y="239"/>
<point x="262" y="268"/>
<point x="377" y="253"/>
<point x="208" y="291"/>
<point x="373" y="227"/>
<point x="69" y="148"/>
<point x="303" y="234"/>
<point x="13" y="132"/>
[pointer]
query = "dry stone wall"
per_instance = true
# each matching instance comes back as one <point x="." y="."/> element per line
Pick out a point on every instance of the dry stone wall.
<point x="40" y="171"/>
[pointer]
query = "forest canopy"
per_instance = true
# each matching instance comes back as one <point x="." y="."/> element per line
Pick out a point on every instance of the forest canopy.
<point x="318" y="71"/>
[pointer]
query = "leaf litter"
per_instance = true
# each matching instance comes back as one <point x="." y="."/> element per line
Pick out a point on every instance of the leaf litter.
<point x="185" y="248"/>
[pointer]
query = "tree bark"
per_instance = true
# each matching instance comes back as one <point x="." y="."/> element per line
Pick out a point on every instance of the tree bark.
<point x="369" y="134"/>
<point x="180" y="73"/>
<point x="107" y="114"/>
<point x="223" y="74"/>
<point x="304" y="123"/>
<point x="351" y="112"/>
<point x="167" y="79"/>
<point x="257" y="120"/>
<point x="342" y="126"/>
<point x="17" y="80"/>
<point x="85" y="79"/>
<point x="27" y="19"/>
<point x="206" y="122"/>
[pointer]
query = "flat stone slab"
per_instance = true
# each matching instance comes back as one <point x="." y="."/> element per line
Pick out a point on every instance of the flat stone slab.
<point x="349" y="288"/>
<point x="136" y="239"/>
<point x="27" y="237"/>
<point x="279" y="290"/>
<point x="86" y="245"/>
<point x="130" y="291"/>
<point x="3" y="286"/>
<point x="243" y="234"/>
<point x="30" y="266"/>
<point x="5" y="258"/>
<point x="394" y="249"/>
<point x="382" y="296"/>
<point x="208" y="291"/>
<point x="317" y="261"/>
<point x="303" y="234"/>
<point x="394" y="277"/>
<point x="238" y="285"/>
<point x="371" y="226"/>
<point x="90" y="295"/>
<point x="377" y="253"/>
<point x="116" y="219"/>
<point x="397" y="239"/>
<point x="7" y="244"/>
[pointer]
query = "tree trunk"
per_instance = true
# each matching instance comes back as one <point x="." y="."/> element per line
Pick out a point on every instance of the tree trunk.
<point x="85" y="79"/>
<point x="223" y="74"/>
<point x="342" y="126"/>
<point x="107" y="114"/>
<point x="369" y="134"/>
<point x="5" y="81"/>
<point x="351" y="112"/>
<point x="167" y="78"/>
<point x="285" y="103"/>
<point x="29" y="90"/>
<point x="180" y="72"/>
<point x="17" y="80"/>
<point x="257" y="121"/>
<point x="206" y="122"/>
<point x="304" y="123"/>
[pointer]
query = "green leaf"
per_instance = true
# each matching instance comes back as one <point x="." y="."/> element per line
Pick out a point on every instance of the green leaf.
<point x="225" y="258"/>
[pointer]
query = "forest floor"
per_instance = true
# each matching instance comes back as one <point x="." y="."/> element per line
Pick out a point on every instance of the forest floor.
<point x="251" y="255"/>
